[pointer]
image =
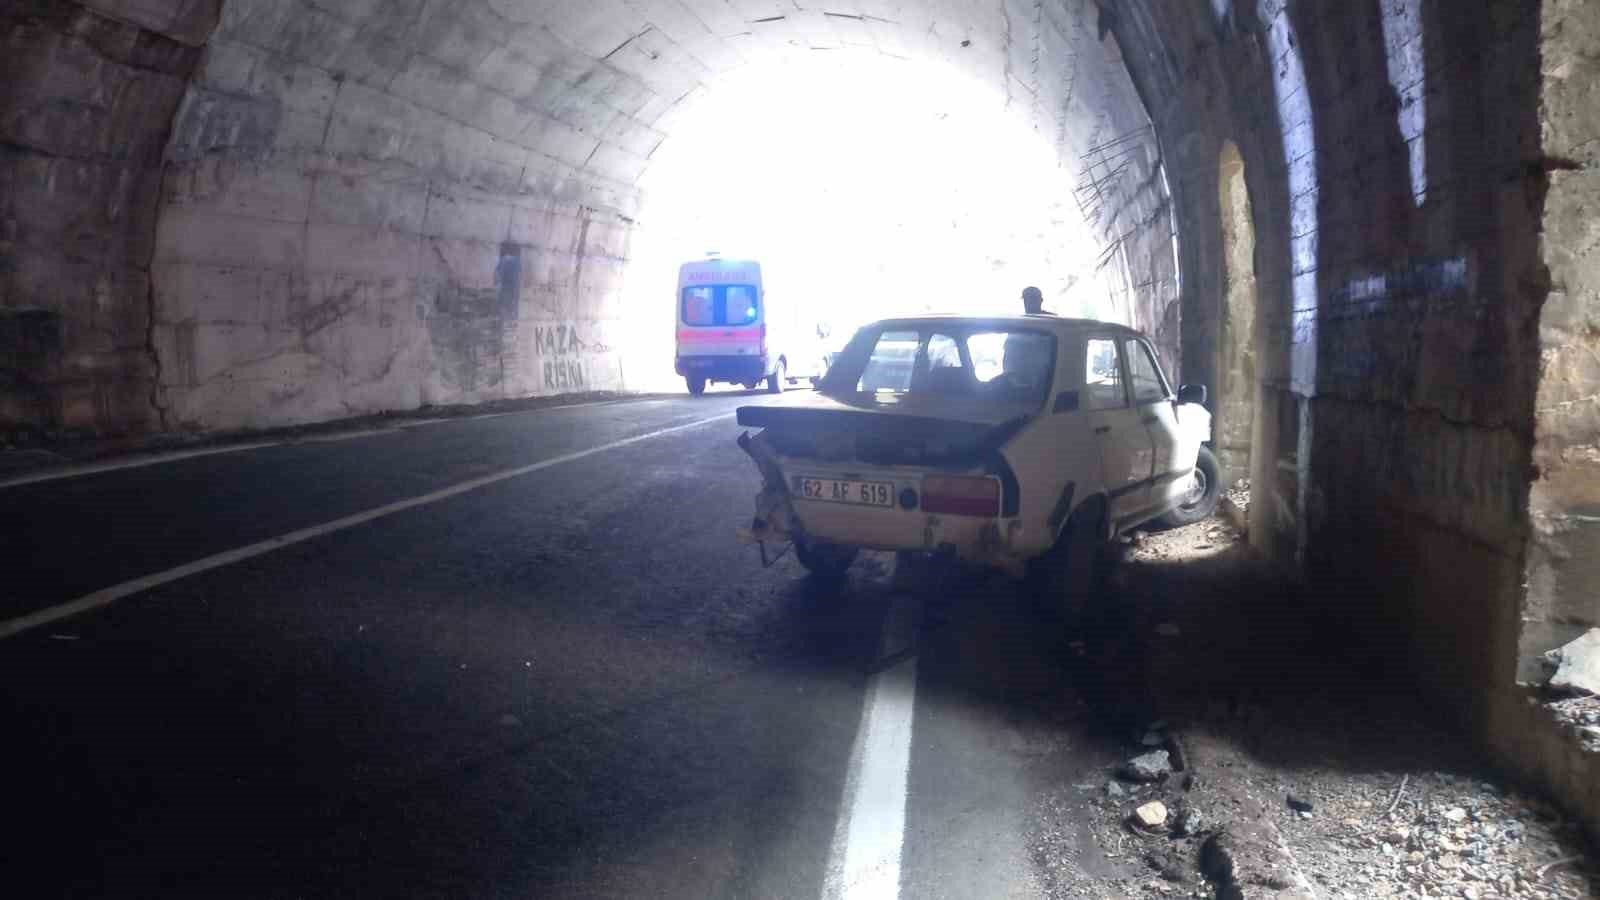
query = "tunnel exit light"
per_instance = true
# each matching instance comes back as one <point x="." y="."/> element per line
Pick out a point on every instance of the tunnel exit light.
<point x="865" y="186"/>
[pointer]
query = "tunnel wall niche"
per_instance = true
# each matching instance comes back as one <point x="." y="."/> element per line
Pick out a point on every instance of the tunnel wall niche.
<point x="1425" y="332"/>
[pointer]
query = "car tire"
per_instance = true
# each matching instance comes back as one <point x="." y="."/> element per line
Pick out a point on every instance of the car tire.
<point x="697" y="385"/>
<point x="1068" y="577"/>
<point x="778" y="378"/>
<point x="823" y="559"/>
<point x="1201" y="500"/>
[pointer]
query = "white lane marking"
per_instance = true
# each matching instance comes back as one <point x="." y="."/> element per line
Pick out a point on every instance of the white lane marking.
<point x="864" y="863"/>
<point x="107" y="596"/>
<point x="136" y="463"/>
<point x="397" y="427"/>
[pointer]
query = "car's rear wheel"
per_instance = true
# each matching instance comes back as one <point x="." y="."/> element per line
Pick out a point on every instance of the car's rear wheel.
<point x="778" y="378"/>
<point x="697" y="385"/>
<point x="1204" y="490"/>
<point x="1068" y="577"/>
<point x="823" y="559"/>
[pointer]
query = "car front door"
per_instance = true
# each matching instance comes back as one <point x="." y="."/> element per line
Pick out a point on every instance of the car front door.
<point x="1152" y="398"/>
<point x="1127" y="456"/>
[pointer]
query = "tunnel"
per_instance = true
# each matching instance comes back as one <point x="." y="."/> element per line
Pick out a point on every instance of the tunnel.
<point x="1368" y="227"/>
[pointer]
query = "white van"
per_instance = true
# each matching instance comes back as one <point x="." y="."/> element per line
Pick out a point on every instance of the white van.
<point x="727" y="332"/>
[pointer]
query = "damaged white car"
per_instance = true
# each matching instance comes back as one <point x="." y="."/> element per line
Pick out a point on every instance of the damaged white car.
<point x="1024" y="443"/>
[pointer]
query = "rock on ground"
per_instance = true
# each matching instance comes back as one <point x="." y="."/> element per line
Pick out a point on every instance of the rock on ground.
<point x="1578" y="665"/>
<point x="1152" y="766"/>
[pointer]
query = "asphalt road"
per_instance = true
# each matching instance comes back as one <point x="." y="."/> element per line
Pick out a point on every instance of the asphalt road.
<point x="568" y="682"/>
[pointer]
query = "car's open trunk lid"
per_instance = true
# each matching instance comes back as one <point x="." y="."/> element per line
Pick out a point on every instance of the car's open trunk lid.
<point x="926" y="431"/>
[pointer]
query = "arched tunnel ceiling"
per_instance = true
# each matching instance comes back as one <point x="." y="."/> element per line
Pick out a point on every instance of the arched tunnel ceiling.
<point x="387" y="163"/>
<point x="595" y="87"/>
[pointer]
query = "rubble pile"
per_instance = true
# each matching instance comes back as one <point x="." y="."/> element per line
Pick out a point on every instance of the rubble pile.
<point x="1239" y="494"/>
<point x="1251" y="785"/>
<point x="1582" y="715"/>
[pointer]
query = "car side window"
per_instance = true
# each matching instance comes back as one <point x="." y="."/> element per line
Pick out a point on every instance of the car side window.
<point x="1145" y="375"/>
<point x="943" y="352"/>
<point x="942" y="371"/>
<point x="1102" y="377"/>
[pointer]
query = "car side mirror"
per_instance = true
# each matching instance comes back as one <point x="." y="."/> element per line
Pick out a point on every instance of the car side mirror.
<point x="1192" y="393"/>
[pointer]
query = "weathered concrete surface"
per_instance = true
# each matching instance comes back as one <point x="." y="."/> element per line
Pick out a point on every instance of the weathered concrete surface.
<point x="422" y="202"/>
<point x="382" y="206"/>
<point x="84" y="115"/>
<point x="1563" y="572"/>
<point x="1421" y="342"/>
<point x="1234" y="335"/>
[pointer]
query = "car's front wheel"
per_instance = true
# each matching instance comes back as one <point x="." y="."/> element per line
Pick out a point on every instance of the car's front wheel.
<point x="697" y="385"/>
<point x="823" y="559"/>
<point x="1203" y="492"/>
<point x="778" y="378"/>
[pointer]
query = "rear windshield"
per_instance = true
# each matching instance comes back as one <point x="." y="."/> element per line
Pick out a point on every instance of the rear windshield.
<point x="973" y="363"/>
<point x="720" y="304"/>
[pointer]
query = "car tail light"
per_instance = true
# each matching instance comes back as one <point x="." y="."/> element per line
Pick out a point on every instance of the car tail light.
<point x="961" y="495"/>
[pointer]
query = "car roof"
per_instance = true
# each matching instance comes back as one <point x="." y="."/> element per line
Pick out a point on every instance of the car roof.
<point x="1056" y="323"/>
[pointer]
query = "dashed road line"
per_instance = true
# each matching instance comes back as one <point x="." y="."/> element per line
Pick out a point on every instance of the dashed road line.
<point x="107" y="596"/>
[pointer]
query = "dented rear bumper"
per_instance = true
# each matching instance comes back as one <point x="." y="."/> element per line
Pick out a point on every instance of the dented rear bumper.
<point x="780" y="517"/>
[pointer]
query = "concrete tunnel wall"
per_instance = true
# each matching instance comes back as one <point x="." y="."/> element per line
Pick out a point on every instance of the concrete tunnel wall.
<point x="381" y="206"/>
<point x="1423" y="178"/>
<point x="272" y="211"/>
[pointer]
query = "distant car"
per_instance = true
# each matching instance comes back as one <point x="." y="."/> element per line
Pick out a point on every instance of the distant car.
<point x="1021" y="442"/>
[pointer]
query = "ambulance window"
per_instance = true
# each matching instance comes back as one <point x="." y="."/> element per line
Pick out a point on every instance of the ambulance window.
<point x="741" y="305"/>
<point x="699" y="306"/>
<point x="721" y="305"/>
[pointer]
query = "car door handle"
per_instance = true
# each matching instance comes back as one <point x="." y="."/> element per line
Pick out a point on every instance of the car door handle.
<point x="1103" y="429"/>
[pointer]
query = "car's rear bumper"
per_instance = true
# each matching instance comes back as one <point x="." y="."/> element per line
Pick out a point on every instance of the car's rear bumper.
<point x="969" y="537"/>
<point x="998" y="541"/>
<point x="723" y="368"/>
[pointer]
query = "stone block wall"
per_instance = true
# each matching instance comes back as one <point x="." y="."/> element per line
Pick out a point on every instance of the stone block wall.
<point x="1421" y="177"/>
<point x="1563" y="571"/>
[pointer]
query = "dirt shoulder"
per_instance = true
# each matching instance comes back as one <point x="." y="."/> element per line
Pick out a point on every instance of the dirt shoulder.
<point x="1298" y="762"/>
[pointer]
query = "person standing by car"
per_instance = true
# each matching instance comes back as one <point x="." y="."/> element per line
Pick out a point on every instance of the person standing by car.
<point x="1033" y="302"/>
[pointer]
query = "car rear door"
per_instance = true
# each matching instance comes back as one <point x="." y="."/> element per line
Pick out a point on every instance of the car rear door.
<point x="1127" y="456"/>
<point x="1153" y="398"/>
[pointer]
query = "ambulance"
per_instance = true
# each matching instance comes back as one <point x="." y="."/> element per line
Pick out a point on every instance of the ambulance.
<point x="726" y="332"/>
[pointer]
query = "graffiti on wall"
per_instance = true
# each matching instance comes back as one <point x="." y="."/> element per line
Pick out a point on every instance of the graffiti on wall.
<point x="1378" y="318"/>
<point x="562" y="353"/>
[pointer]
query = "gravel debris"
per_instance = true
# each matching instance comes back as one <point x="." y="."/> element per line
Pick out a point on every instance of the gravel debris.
<point x="1271" y="708"/>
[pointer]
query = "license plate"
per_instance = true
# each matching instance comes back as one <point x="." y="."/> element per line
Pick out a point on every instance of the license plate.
<point x="861" y="493"/>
